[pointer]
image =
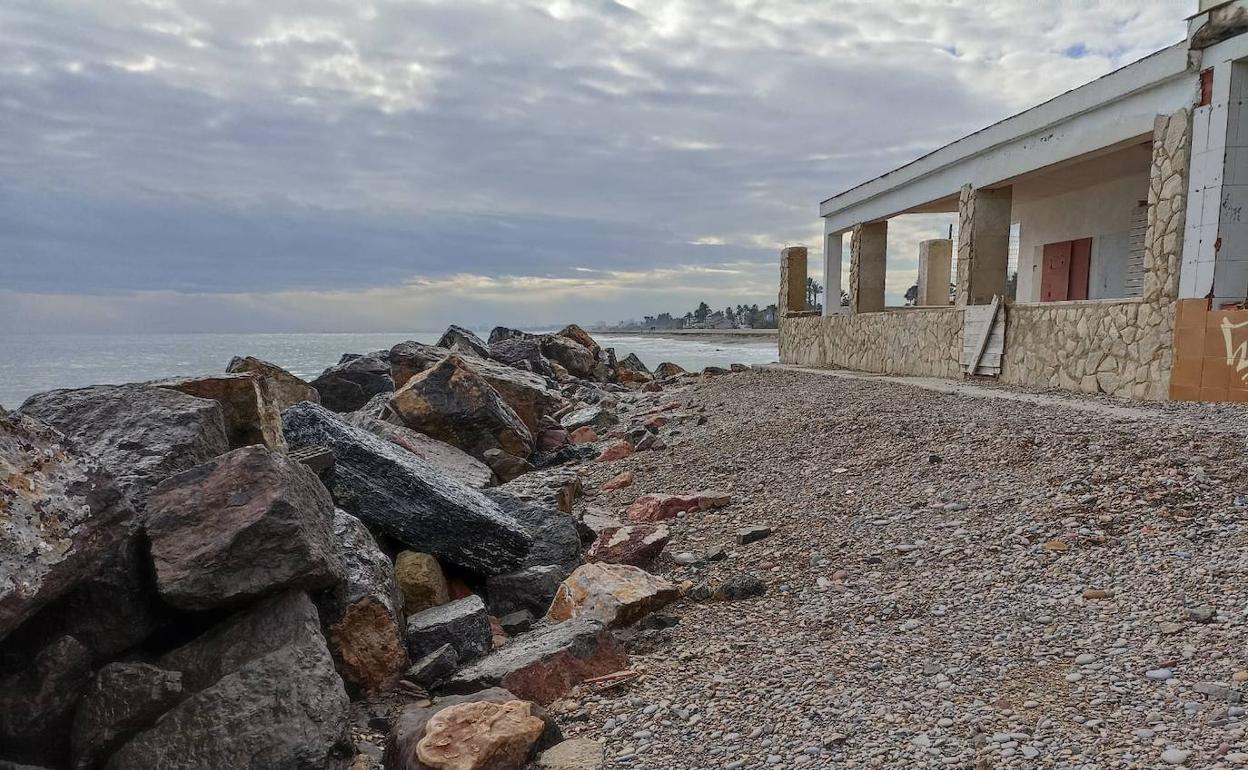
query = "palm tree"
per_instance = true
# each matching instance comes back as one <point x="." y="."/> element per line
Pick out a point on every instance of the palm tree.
<point x="813" y="290"/>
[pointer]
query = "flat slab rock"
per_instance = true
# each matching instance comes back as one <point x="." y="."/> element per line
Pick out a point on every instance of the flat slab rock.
<point x="544" y="664"/>
<point x="396" y="492"/>
<point x="463" y="624"/>
<point x="61" y="514"/>
<point x="452" y="461"/>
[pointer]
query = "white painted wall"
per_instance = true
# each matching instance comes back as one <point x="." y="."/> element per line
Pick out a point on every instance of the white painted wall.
<point x="1101" y="212"/>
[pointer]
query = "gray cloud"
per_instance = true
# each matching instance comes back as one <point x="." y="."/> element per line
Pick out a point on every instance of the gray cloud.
<point x="309" y="148"/>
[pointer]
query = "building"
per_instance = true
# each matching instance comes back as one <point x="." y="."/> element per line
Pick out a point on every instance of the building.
<point x="1129" y="200"/>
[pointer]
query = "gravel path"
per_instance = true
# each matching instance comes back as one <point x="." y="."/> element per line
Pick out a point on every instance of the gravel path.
<point x="952" y="582"/>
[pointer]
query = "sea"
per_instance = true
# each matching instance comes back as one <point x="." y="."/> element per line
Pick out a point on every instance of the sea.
<point x="34" y="363"/>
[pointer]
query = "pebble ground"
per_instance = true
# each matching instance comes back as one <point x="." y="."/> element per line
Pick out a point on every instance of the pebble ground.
<point x="952" y="582"/>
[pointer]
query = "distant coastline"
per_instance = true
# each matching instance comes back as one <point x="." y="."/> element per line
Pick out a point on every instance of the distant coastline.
<point x="724" y="335"/>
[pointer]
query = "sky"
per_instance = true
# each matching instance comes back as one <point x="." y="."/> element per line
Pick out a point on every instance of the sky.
<point x="308" y="165"/>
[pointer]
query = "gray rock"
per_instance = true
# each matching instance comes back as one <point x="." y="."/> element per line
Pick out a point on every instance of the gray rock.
<point x="362" y="612"/>
<point x="243" y="525"/>
<point x="545" y="663"/>
<point x="530" y="589"/>
<point x="505" y="466"/>
<point x="596" y="417"/>
<point x="452" y="461"/>
<point x="434" y="668"/>
<point x="122" y="700"/>
<point x="285" y="388"/>
<point x="517" y="622"/>
<point x="405" y="497"/>
<point x="37" y="703"/>
<point x="740" y="587"/>
<point x="348" y="386"/>
<point x="556" y="539"/>
<point x="411" y="358"/>
<point x="462" y="340"/>
<point x="500" y="333"/>
<point x="753" y="534"/>
<point x="141" y="434"/>
<point x="463" y="624"/>
<point x="70" y="514"/>
<point x="246" y="677"/>
<point x="579" y="360"/>
<point x="524" y="353"/>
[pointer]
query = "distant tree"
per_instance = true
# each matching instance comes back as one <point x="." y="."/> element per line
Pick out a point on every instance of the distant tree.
<point x="730" y="315"/>
<point x="813" y="290"/>
<point x="1011" y="285"/>
<point x="912" y="295"/>
<point x="702" y="312"/>
<point x="844" y="298"/>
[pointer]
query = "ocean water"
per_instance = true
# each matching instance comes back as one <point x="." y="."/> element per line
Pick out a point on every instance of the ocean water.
<point x="33" y="363"/>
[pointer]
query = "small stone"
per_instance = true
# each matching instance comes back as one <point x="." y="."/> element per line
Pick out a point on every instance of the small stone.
<point x="1174" y="756"/>
<point x="753" y="534"/>
<point x="1159" y="674"/>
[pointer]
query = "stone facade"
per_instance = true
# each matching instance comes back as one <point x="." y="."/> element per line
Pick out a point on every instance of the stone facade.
<point x="792" y="280"/>
<point x="983" y="243"/>
<point x="922" y="342"/>
<point x="868" y="249"/>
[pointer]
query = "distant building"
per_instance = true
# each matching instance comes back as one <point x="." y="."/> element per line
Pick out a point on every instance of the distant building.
<point x="1127" y="198"/>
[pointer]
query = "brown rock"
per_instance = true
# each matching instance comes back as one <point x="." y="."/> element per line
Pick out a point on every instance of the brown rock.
<point x="709" y="499"/>
<point x="284" y="388"/>
<point x="649" y="508"/>
<point x="668" y="369"/>
<point x="583" y="435"/>
<point x="621" y="481"/>
<point x="452" y="403"/>
<point x="655" y="422"/>
<point x="37" y="702"/>
<point x="122" y="700"/>
<point x="480" y="736"/>
<point x="410" y="358"/>
<point x="1096" y="593"/>
<point x="574" y="754"/>
<point x="421" y="582"/>
<point x="505" y="466"/>
<point x="615" y="594"/>
<point x="637" y="545"/>
<point x="551" y="439"/>
<point x="248" y="523"/>
<point x="250" y="411"/>
<point x="580" y="336"/>
<point x="616" y="451"/>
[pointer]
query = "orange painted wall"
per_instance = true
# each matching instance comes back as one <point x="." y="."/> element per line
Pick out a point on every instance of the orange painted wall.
<point x="1210" y="353"/>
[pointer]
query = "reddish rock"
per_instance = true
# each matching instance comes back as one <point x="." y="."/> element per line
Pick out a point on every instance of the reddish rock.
<point x="637" y="545"/>
<point x="583" y="435"/>
<point x="551" y="439"/>
<point x="660" y="507"/>
<point x="655" y="422"/>
<point x="457" y="589"/>
<point x="616" y="451"/>
<point x="544" y="664"/>
<point x="652" y="387"/>
<point x="621" y="481"/>
<point x="498" y="634"/>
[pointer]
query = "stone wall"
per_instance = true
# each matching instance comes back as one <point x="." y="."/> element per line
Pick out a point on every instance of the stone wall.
<point x="1121" y="348"/>
<point x="921" y="342"/>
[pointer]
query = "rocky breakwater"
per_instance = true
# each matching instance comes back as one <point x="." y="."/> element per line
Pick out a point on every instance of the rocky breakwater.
<point x="397" y="563"/>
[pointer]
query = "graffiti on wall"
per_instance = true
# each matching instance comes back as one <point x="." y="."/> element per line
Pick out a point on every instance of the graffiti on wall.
<point x="1236" y="354"/>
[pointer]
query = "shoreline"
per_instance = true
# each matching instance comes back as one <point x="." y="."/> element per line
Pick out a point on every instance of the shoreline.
<point x="719" y="335"/>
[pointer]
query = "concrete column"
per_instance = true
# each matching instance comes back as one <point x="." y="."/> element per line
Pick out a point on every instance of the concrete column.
<point x="983" y="243"/>
<point x="868" y="261"/>
<point x="832" y="246"/>
<point x="792" y="280"/>
<point x="935" y="264"/>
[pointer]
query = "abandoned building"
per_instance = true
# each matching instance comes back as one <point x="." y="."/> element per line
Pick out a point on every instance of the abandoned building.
<point x="1128" y="201"/>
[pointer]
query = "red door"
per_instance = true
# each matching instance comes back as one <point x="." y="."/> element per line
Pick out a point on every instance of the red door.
<point x="1080" y="266"/>
<point x="1055" y="272"/>
<point x="1065" y="269"/>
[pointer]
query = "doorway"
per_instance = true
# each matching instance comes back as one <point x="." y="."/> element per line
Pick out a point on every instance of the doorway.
<point x="1064" y="270"/>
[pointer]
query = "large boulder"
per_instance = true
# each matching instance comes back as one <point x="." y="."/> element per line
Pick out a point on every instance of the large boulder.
<point x="408" y="499"/>
<point x="284" y="388"/>
<point x="523" y="353"/>
<point x="248" y="523"/>
<point x="638" y="545"/>
<point x="577" y="359"/>
<point x="667" y="370"/>
<point x="348" y="386"/>
<point x="631" y="369"/>
<point x="461" y="340"/>
<point x="581" y="337"/>
<point x="481" y="736"/>
<point x="263" y="692"/>
<point x="596" y="417"/>
<point x="452" y="403"/>
<point x="614" y="594"/>
<point x="411" y="358"/>
<point x="37" y="702"/>
<point x="141" y="434"/>
<point x="463" y="624"/>
<point x="526" y="393"/>
<point x="251" y="414"/>
<point x="557" y="488"/>
<point x="500" y="333"/>
<point x="61" y="515"/>
<point x="452" y="461"/>
<point x="556" y="539"/>
<point x="362" y="613"/>
<point x="545" y="663"/>
<point x="122" y="700"/>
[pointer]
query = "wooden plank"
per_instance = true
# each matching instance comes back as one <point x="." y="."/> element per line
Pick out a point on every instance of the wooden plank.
<point x="982" y="343"/>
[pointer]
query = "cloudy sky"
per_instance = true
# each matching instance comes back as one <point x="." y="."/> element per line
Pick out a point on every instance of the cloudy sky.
<point x="308" y="165"/>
